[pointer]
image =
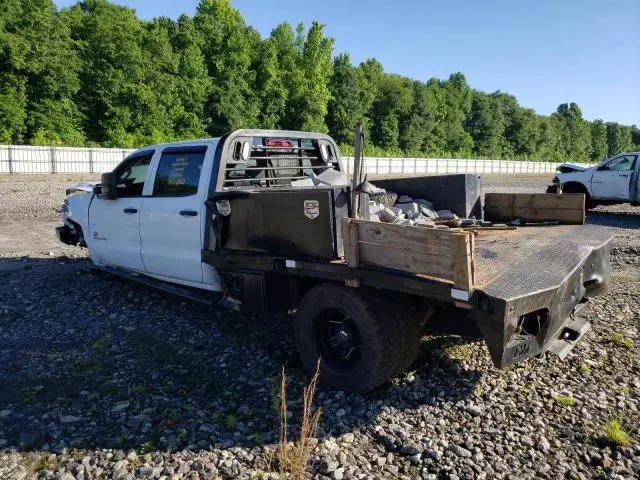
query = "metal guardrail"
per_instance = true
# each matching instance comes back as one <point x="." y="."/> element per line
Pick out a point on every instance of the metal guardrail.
<point x="33" y="159"/>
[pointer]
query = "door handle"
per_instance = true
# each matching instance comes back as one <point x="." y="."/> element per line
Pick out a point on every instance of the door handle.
<point x="624" y="174"/>
<point x="188" y="213"/>
<point x="130" y="210"/>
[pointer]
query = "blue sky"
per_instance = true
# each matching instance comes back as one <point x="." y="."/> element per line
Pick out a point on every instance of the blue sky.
<point x="545" y="52"/>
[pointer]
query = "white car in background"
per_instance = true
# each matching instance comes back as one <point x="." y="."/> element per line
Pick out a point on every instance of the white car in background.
<point x="615" y="180"/>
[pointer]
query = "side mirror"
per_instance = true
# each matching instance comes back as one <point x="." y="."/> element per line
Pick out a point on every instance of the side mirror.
<point x="108" y="188"/>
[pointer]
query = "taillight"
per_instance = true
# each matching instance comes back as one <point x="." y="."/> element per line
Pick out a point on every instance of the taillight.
<point x="278" y="142"/>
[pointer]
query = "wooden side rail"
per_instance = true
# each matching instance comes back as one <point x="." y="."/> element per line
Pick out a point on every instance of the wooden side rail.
<point x="442" y="254"/>
<point x="566" y="208"/>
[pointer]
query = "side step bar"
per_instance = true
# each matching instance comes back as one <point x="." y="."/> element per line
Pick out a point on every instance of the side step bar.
<point x="208" y="298"/>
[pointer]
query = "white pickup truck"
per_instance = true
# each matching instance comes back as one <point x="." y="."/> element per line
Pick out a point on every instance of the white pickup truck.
<point x="262" y="221"/>
<point x="615" y="180"/>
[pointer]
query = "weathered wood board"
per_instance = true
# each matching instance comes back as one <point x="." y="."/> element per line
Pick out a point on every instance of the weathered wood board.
<point x="567" y="208"/>
<point x="443" y="254"/>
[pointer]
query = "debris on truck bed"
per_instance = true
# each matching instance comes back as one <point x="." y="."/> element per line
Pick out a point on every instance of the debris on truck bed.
<point x="390" y="207"/>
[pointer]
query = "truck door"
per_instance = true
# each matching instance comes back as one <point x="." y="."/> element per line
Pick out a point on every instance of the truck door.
<point x="114" y="225"/>
<point x="611" y="181"/>
<point x="172" y="216"/>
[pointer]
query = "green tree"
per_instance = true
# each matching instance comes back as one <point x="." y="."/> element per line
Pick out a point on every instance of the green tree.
<point x="549" y="140"/>
<point x="525" y="133"/>
<point x="598" y="140"/>
<point x="618" y="138"/>
<point x="270" y="86"/>
<point x="38" y="75"/>
<point x="192" y="83"/>
<point x="13" y="72"/>
<point x="227" y="47"/>
<point x="416" y="125"/>
<point x="316" y="66"/>
<point x="575" y="135"/>
<point x="485" y="125"/>
<point x="287" y="53"/>
<point x="113" y="90"/>
<point x="351" y="100"/>
<point x="394" y="100"/>
<point x="457" y="98"/>
<point x="635" y="137"/>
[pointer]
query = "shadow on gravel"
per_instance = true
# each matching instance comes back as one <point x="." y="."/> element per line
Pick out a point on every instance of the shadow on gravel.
<point x="89" y="361"/>
<point x="614" y="219"/>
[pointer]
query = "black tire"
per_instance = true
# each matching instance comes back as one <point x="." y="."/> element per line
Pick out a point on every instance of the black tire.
<point x="383" y="331"/>
<point x="579" y="188"/>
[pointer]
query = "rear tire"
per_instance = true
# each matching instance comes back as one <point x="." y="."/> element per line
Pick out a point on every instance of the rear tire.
<point x="363" y="336"/>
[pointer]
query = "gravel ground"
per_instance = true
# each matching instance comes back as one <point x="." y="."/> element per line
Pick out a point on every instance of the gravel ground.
<point x="100" y="378"/>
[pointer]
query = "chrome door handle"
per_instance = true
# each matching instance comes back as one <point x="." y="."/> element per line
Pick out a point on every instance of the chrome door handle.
<point x="130" y="210"/>
<point x="188" y="213"/>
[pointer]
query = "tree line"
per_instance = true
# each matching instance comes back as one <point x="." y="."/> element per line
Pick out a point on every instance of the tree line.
<point x="95" y="74"/>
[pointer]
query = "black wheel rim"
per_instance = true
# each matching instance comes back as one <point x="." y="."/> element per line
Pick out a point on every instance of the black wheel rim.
<point x="338" y="339"/>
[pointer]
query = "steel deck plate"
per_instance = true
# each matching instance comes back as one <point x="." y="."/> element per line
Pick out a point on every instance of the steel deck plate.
<point x="514" y="263"/>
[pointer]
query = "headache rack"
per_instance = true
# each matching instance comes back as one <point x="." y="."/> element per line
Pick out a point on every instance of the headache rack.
<point x="267" y="159"/>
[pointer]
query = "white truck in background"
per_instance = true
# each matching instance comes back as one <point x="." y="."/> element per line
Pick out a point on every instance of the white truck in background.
<point x="615" y="180"/>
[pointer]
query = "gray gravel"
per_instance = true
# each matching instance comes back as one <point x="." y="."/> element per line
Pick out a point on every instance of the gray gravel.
<point x="100" y="378"/>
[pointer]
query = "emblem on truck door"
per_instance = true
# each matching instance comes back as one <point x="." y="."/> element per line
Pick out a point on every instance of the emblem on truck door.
<point x="311" y="209"/>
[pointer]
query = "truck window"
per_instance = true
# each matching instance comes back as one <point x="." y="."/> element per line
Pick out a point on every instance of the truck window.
<point x="132" y="173"/>
<point x="178" y="172"/>
<point x="620" y="164"/>
<point x="273" y="162"/>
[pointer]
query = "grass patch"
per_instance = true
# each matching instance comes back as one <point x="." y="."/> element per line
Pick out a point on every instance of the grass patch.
<point x="230" y="421"/>
<point x="292" y="459"/>
<point x="615" y="434"/>
<point x="621" y="340"/>
<point x="100" y="346"/>
<point x="147" y="447"/>
<point x="40" y="463"/>
<point x="565" y="401"/>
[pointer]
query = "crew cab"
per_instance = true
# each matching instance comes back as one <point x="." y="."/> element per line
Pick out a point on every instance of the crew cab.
<point x="264" y="221"/>
<point x="615" y="180"/>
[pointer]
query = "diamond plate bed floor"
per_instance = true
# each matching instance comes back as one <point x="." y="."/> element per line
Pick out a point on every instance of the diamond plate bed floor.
<point x="512" y="263"/>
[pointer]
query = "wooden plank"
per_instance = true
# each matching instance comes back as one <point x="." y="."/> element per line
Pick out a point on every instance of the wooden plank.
<point x="441" y="254"/>
<point x="462" y="261"/>
<point x="406" y="260"/>
<point x="346" y="245"/>
<point x="569" y="208"/>
<point x="487" y="229"/>
<point x="569" y="217"/>
<point x="404" y="236"/>
<point x="353" y="245"/>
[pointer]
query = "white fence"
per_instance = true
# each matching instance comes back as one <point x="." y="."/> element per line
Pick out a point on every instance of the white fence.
<point x="30" y="159"/>
<point x="408" y="166"/>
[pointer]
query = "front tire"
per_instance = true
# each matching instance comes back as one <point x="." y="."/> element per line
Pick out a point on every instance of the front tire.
<point x="363" y="337"/>
<point x="579" y="188"/>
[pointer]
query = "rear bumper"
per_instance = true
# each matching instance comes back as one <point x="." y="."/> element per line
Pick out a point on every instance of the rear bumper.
<point x="551" y="319"/>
